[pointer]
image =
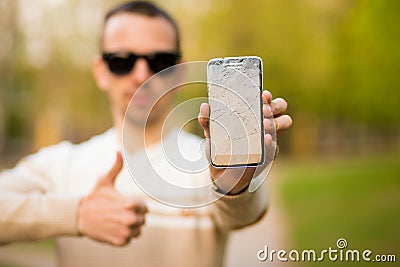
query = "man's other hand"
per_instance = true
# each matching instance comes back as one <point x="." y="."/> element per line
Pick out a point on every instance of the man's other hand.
<point x="107" y="216"/>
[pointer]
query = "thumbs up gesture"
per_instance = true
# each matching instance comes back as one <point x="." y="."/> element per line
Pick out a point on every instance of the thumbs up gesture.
<point x="107" y="216"/>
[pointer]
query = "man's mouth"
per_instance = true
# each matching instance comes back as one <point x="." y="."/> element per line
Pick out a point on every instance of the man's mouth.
<point x="140" y="99"/>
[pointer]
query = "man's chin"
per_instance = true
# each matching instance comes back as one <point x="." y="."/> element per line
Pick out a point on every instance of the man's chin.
<point x="135" y="120"/>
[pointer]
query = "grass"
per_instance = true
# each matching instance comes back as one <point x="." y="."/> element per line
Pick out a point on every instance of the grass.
<point x="355" y="199"/>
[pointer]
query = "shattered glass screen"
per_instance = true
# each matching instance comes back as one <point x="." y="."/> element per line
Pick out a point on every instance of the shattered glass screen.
<point x="234" y="91"/>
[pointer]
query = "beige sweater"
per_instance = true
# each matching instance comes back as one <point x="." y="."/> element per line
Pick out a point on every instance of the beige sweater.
<point x="40" y="196"/>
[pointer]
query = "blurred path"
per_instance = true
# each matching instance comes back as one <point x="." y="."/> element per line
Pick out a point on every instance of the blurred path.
<point x="271" y="231"/>
<point x="27" y="255"/>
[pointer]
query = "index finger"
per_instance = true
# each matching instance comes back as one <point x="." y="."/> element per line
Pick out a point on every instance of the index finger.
<point x="204" y="118"/>
<point x="266" y="96"/>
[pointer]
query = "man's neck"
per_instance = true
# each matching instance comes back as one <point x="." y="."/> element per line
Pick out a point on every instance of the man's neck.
<point x="139" y="136"/>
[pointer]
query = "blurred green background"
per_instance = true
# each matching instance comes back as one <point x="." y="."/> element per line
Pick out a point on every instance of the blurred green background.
<point x="336" y="62"/>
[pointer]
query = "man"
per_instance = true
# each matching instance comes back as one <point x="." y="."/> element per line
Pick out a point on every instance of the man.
<point x="83" y="195"/>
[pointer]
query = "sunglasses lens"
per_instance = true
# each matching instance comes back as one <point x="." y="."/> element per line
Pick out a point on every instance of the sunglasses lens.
<point x="119" y="65"/>
<point x="162" y="61"/>
<point x="123" y="65"/>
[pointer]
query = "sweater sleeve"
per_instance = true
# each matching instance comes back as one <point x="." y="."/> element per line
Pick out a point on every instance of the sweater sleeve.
<point x="30" y="207"/>
<point x="237" y="211"/>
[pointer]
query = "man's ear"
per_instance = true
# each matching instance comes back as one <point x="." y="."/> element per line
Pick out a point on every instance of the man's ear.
<point x="100" y="74"/>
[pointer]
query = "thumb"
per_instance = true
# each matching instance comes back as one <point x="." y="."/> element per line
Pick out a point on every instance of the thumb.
<point x="109" y="178"/>
<point x="204" y="118"/>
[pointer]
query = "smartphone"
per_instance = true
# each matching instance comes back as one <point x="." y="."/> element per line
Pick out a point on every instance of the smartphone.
<point x="236" y="119"/>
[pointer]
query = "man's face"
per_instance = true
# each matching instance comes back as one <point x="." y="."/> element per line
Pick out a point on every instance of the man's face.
<point x="140" y="35"/>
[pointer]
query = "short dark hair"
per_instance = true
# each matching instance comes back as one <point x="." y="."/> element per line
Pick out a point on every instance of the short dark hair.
<point x="147" y="9"/>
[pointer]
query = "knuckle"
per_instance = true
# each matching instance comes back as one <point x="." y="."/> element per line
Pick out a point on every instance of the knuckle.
<point x="126" y="232"/>
<point x="282" y="123"/>
<point x="128" y="203"/>
<point x="136" y="233"/>
<point x="277" y="124"/>
<point x="139" y="206"/>
<point x="129" y="219"/>
<point x="286" y="121"/>
<point x="145" y="209"/>
<point x="282" y="101"/>
<point x="119" y="242"/>
<point x="289" y="119"/>
<point x="140" y="221"/>
<point x="279" y="105"/>
<point x="123" y="237"/>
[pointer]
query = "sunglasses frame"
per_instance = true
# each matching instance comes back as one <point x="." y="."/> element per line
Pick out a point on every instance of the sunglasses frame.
<point x="129" y="59"/>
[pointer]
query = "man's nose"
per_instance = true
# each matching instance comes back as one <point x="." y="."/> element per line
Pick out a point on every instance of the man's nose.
<point x="141" y="71"/>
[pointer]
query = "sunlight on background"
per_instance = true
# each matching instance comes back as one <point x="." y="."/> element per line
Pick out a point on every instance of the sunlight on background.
<point x="335" y="62"/>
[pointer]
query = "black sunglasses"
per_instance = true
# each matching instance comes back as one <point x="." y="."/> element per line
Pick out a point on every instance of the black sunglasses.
<point x="122" y="63"/>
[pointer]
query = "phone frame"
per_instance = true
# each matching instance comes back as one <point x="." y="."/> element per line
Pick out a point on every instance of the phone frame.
<point x="228" y="61"/>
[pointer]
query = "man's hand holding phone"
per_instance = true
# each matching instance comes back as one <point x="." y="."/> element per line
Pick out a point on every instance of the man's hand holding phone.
<point x="234" y="180"/>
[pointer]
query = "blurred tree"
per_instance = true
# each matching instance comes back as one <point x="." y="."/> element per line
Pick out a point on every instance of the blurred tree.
<point x="4" y="52"/>
<point x="368" y="52"/>
<point x="8" y="16"/>
<point x="335" y="62"/>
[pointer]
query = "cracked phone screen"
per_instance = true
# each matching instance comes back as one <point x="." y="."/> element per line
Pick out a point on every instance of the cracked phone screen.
<point x="234" y="92"/>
